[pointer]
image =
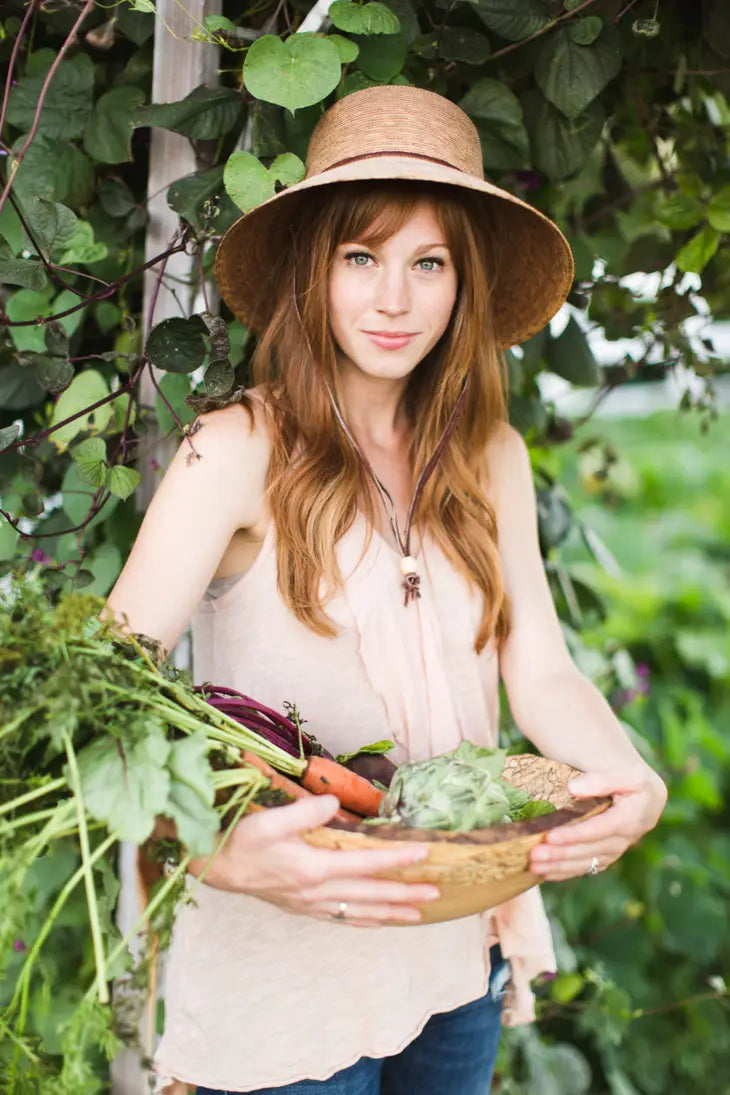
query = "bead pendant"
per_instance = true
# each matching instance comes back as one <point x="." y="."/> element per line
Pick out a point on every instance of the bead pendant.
<point x="411" y="579"/>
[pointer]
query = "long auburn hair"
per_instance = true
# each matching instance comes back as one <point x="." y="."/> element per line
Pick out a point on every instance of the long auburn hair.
<point x="316" y="481"/>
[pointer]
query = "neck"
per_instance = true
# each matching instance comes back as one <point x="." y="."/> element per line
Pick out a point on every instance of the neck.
<point x="373" y="408"/>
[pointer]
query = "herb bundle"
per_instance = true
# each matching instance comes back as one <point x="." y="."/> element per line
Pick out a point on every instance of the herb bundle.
<point x="98" y="738"/>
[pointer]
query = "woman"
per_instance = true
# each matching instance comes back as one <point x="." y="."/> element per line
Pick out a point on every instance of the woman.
<point x="357" y="534"/>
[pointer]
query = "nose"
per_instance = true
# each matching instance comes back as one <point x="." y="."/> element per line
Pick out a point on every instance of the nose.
<point x="393" y="294"/>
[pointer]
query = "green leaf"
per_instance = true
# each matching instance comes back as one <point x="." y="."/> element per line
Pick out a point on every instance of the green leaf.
<point x="125" y="784"/>
<point x="585" y="30"/>
<point x="77" y="497"/>
<point x="512" y="19"/>
<point x="560" y="145"/>
<point x="347" y="49"/>
<point x="105" y="563"/>
<point x="498" y="117"/>
<point x="248" y="182"/>
<point x="205" y="114"/>
<point x="54" y="170"/>
<point x="571" y="76"/>
<point x="219" y="377"/>
<point x="19" y="388"/>
<point x="376" y="748"/>
<point x="697" y="252"/>
<point x="570" y="356"/>
<point x="9" y="537"/>
<point x="85" y="389"/>
<point x="51" y="225"/>
<point x="191" y="795"/>
<point x="718" y="211"/>
<point x="8" y="434"/>
<point x="25" y="305"/>
<point x="297" y="73"/>
<point x="191" y="196"/>
<point x="372" y="18"/>
<point x="463" y="44"/>
<point x="56" y="339"/>
<point x="90" y="459"/>
<point x="177" y="345"/>
<point x="25" y="272"/>
<point x="679" y="210"/>
<point x="54" y="373"/>
<point x="83" y="249"/>
<point x="122" y="481"/>
<point x="382" y="58"/>
<point x="66" y="107"/>
<point x="175" y="387"/>
<point x="108" y="133"/>
<point x="215" y="23"/>
<point x="116" y="199"/>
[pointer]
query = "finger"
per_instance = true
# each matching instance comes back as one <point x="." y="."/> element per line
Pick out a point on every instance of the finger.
<point x="288" y="821"/>
<point x="547" y="862"/>
<point x="367" y="913"/>
<point x="590" y="784"/>
<point x="616" y="819"/>
<point x="371" y="890"/>
<point x="366" y="863"/>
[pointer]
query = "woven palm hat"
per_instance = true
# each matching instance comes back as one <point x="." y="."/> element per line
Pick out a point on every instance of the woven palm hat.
<point x="394" y="132"/>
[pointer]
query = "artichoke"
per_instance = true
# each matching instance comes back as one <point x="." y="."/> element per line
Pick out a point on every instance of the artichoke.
<point x="460" y="790"/>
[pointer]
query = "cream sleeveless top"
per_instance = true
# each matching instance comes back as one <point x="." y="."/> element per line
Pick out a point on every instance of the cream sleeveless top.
<point x="257" y="997"/>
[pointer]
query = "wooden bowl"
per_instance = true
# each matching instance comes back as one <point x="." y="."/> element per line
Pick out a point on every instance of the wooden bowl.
<point x="480" y="869"/>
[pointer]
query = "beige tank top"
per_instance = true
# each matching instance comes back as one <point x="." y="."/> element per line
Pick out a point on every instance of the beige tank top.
<point x="257" y="997"/>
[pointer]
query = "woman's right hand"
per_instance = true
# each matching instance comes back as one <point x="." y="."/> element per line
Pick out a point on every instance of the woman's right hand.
<point x="265" y="857"/>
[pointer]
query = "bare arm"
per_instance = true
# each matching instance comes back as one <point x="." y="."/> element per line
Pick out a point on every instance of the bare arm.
<point x="554" y="705"/>
<point x="197" y="508"/>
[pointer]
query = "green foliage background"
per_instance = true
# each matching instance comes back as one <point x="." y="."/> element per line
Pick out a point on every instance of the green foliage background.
<point x="611" y="116"/>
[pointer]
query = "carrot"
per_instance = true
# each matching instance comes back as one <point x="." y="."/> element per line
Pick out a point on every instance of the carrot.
<point x="280" y="782"/>
<point x="327" y="777"/>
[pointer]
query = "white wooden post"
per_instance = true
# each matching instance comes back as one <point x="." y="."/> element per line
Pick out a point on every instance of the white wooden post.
<point x="180" y="65"/>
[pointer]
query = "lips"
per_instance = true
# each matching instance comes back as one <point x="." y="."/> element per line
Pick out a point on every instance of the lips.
<point x="390" y="340"/>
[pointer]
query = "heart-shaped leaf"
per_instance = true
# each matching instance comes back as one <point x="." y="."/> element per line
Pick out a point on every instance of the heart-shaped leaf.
<point x="90" y="459"/>
<point x="370" y="18"/>
<point x="560" y="145"/>
<point x="122" y="481"/>
<point x="571" y="76"/>
<point x="177" y="345"/>
<point x="50" y="225"/>
<point x="108" y="133"/>
<point x="248" y="182"/>
<point x="497" y="114"/>
<point x="347" y="49"/>
<point x="296" y="73"/>
<point x="512" y="19"/>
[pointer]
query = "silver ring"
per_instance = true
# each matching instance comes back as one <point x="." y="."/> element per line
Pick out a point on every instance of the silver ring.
<point x="341" y="910"/>
<point x="593" y="869"/>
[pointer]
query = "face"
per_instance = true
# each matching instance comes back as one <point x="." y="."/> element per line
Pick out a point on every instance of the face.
<point x="390" y="304"/>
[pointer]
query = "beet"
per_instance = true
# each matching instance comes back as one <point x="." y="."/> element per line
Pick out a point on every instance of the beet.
<point x="373" y="766"/>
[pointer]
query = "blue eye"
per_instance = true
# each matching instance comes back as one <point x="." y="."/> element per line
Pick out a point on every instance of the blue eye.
<point x="430" y="264"/>
<point x="358" y="258"/>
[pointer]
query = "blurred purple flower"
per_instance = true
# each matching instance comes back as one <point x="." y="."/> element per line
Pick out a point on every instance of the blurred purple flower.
<point x="39" y="556"/>
<point x="19" y="946"/>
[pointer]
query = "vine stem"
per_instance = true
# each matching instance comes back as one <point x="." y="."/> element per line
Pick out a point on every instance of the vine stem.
<point x="42" y="95"/>
<point x="13" y="58"/>
<point x="94" y="921"/>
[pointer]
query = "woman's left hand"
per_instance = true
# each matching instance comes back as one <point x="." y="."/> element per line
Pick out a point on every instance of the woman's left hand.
<point x="639" y="796"/>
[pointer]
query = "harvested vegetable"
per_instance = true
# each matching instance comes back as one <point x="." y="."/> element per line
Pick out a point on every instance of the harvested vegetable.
<point x="458" y="791"/>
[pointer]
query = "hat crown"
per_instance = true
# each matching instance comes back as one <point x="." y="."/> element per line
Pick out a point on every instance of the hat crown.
<point x="393" y="120"/>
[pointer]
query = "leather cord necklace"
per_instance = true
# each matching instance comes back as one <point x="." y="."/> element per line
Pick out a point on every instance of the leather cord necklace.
<point x="409" y="566"/>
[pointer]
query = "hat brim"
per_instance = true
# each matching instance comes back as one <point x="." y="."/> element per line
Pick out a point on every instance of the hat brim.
<point x="533" y="260"/>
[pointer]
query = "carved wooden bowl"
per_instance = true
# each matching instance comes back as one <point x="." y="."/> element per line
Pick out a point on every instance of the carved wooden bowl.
<point x="480" y="869"/>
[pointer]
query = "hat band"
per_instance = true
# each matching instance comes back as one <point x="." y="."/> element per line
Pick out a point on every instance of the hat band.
<point x="393" y="152"/>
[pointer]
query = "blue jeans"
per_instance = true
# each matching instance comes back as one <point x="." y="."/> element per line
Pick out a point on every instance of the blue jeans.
<point x="453" y="1055"/>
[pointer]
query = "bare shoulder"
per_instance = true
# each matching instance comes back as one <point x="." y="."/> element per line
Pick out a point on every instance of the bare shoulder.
<point x="507" y="460"/>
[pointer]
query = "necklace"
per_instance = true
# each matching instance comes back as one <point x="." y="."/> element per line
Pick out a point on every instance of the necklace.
<point x="411" y="582"/>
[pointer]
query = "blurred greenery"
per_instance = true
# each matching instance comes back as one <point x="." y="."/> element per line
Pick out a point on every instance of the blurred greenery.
<point x="640" y="1005"/>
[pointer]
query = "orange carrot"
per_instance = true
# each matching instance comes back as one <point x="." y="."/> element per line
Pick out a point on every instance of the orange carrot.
<point x="327" y="777"/>
<point x="280" y="782"/>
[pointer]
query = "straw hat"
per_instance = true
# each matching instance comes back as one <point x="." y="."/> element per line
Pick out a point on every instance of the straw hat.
<point x="394" y="132"/>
